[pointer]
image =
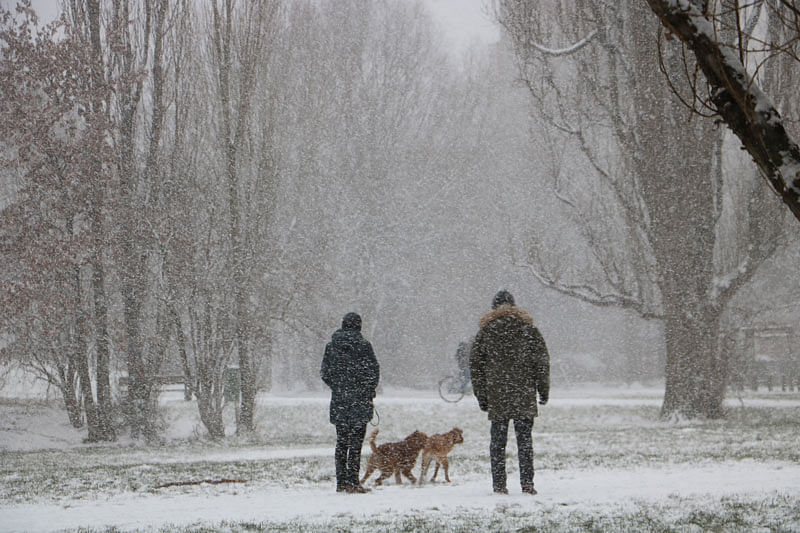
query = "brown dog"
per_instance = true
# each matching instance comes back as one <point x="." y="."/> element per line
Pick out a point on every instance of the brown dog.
<point x="437" y="447"/>
<point x="394" y="457"/>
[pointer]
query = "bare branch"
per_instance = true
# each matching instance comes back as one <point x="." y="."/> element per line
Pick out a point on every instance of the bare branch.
<point x="555" y="52"/>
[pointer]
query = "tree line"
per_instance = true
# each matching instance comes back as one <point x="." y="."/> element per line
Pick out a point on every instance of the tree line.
<point x="198" y="185"/>
<point x="181" y="173"/>
<point x="672" y="232"/>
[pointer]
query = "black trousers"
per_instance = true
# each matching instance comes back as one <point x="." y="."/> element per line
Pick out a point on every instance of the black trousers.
<point x="349" y="440"/>
<point x="497" y="451"/>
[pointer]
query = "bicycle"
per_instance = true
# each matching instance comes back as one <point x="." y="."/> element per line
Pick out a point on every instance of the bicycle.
<point x="452" y="388"/>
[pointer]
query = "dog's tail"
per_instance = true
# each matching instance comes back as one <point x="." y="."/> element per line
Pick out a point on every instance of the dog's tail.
<point x="372" y="441"/>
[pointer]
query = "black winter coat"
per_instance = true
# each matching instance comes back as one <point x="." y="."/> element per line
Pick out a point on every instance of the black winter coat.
<point x="509" y="364"/>
<point x="350" y="369"/>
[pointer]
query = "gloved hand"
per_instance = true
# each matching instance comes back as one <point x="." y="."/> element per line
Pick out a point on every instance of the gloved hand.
<point x="542" y="401"/>
<point x="483" y="403"/>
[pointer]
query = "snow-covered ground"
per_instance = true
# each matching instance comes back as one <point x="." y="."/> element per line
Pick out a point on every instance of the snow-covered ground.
<point x="603" y="462"/>
<point x="596" y="490"/>
<point x="589" y="490"/>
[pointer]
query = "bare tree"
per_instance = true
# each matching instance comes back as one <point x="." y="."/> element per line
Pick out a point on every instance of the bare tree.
<point x="134" y="51"/>
<point x="200" y="307"/>
<point x="56" y="129"/>
<point x="85" y="19"/>
<point x="649" y="179"/>
<point x="241" y="37"/>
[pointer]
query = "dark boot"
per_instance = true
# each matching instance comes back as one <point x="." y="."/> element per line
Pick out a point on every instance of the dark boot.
<point x="357" y="489"/>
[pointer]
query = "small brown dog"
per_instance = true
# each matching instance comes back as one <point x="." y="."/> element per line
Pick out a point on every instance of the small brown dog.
<point x="394" y="457"/>
<point x="437" y="447"/>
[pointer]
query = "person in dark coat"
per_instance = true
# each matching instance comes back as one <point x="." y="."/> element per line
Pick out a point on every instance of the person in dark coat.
<point x="509" y="366"/>
<point x="350" y="369"/>
<point x="462" y="360"/>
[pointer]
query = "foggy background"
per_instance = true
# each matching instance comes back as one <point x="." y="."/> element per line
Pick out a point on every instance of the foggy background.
<point x="409" y="181"/>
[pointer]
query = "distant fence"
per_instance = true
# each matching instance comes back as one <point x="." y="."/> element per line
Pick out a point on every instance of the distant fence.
<point x="765" y="357"/>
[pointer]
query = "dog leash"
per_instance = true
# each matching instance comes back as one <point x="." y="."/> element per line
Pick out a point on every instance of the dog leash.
<point x="375" y="416"/>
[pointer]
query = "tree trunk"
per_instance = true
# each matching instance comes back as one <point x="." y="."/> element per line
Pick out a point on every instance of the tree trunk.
<point x="248" y="383"/>
<point x="72" y="401"/>
<point x="73" y="407"/>
<point x="679" y="188"/>
<point x="684" y="343"/>
<point x="79" y="354"/>
<point x="180" y="339"/>
<point x="140" y="409"/>
<point x="692" y="378"/>
<point x="233" y="129"/>
<point x="209" y="405"/>
<point x="245" y="423"/>
<point x="715" y="373"/>
<point x="212" y="419"/>
<point x="209" y="385"/>
<point x="142" y="415"/>
<point x="103" y="374"/>
<point x="95" y="435"/>
<point x="103" y="380"/>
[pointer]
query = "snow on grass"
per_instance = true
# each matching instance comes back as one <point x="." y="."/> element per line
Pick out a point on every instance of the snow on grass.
<point x="593" y="495"/>
<point x="603" y="462"/>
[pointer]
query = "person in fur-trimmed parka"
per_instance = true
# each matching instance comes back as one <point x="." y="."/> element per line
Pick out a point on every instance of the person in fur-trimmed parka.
<point x="510" y="365"/>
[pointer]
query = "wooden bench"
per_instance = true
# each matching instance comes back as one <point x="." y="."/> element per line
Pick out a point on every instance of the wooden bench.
<point x="164" y="381"/>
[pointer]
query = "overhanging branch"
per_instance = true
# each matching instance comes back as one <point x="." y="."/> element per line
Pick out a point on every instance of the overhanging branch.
<point x="741" y="104"/>
<point x="589" y="294"/>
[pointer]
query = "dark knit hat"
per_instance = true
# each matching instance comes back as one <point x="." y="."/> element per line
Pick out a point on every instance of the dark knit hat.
<point x="502" y="298"/>
<point x="351" y="321"/>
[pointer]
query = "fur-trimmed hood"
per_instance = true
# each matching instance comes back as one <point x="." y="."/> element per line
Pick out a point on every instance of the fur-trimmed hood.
<point x="504" y="311"/>
<point x="509" y="364"/>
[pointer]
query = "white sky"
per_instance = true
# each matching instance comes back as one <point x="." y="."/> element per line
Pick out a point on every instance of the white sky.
<point x="464" y="21"/>
<point x="46" y="9"/>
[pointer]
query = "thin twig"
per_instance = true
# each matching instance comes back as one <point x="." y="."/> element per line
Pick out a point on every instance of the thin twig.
<point x="199" y="482"/>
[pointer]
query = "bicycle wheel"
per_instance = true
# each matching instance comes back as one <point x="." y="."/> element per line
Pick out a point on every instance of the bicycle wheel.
<point x="450" y="389"/>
